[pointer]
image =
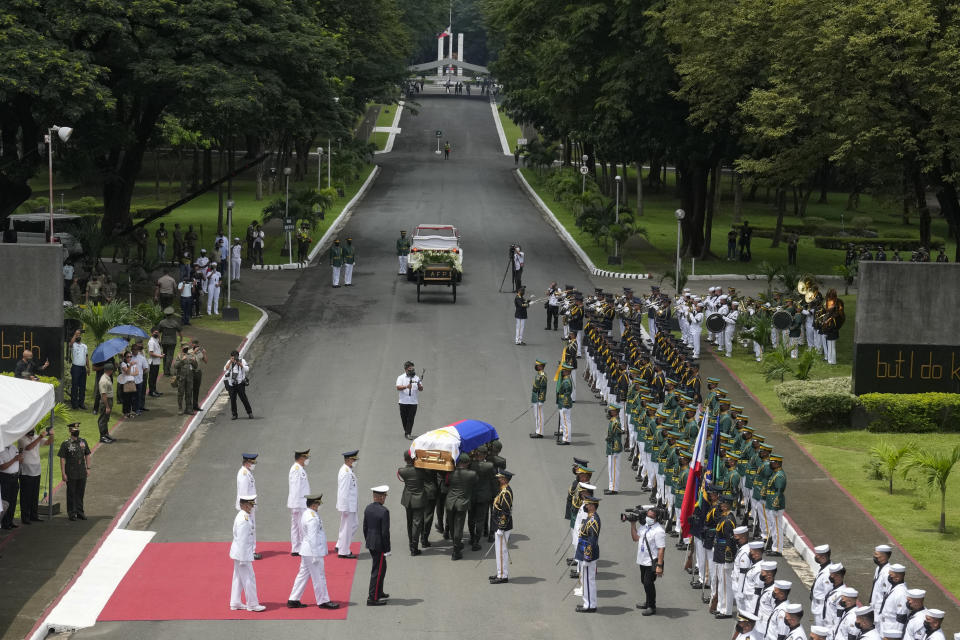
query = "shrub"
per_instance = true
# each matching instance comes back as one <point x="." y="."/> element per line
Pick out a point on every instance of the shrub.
<point x="86" y="204"/>
<point x="822" y="403"/>
<point x="889" y="243"/>
<point x="861" y="222"/>
<point x="912" y="412"/>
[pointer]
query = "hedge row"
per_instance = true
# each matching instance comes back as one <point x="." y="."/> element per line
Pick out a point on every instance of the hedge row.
<point x="824" y="403"/>
<point x="889" y="243"/>
<point x="913" y="413"/>
<point x="829" y="403"/>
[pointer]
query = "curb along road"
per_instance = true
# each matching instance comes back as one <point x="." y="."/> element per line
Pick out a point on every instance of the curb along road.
<point x="78" y="606"/>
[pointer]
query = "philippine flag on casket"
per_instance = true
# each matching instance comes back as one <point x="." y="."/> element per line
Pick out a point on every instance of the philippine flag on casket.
<point x="465" y="435"/>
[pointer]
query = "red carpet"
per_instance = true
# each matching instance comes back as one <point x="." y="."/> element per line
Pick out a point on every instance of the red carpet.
<point x="191" y="581"/>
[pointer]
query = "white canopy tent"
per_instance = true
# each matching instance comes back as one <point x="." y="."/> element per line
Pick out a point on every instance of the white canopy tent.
<point x="23" y="404"/>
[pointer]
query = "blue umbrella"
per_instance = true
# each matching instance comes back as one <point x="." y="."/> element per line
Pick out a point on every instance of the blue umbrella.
<point x="128" y="331"/>
<point x="108" y="349"/>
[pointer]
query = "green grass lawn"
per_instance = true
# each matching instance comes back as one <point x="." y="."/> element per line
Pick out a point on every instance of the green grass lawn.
<point x="380" y="138"/>
<point x="656" y="253"/>
<point x="386" y="114"/>
<point x="249" y="316"/>
<point x="510" y="129"/>
<point x="912" y="514"/>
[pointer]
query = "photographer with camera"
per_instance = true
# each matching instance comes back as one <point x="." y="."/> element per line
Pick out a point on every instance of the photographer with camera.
<point x="409" y="387"/>
<point x="652" y="541"/>
<point x="236" y="381"/>
<point x="516" y="261"/>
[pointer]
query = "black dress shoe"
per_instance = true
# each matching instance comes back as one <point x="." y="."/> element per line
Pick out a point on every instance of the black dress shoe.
<point x="696" y="584"/>
<point x="297" y="555"/>
<point x="376" y="603"/>
<point x="561" y="443"/>
<point x="72" y="517"/>
<point x="329" y="605"/>
<point x="722" y="616"/>
<point x="384" y="596"/>
<point x="348" y="556"/>
<point x="295" y="604"/>
<point x="649" y="611"/>
<point x="258" y="556"/>
<point x="535" y="435"/>
<point x="79" y="515"/>
<point x="489" y="538"/>
<point x="425" y="543"/>
<point x="233" y="418"/>
<point x="475" y="546"/>
<point x="415" y="552"/>
<point x="571" y="562"/>
<point x="491" y="577"/>
<point x="456" y="555"/>
<point x="499" y="581"/>
<point x="582" y="609"/>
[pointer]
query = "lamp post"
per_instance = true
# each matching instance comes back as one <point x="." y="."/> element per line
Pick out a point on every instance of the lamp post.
<point x="583" y="175"/>
<point x="329" y="161"/>
<point x="679" y="214"/>
<point x="227" y="315"/>
<point x="286" y="215"/>
<point x="64" y="134"/>
<point x="319" y="165"/>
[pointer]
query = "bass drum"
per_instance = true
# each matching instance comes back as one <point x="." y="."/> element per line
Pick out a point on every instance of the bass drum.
<point x="782" y="320"/>
<point x="716" y="323"/>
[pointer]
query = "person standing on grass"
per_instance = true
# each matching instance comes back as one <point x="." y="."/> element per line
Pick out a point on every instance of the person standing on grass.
<point x="79" y="370"/>
<point x="105" y="392"/>
<point x="74" y="457"/>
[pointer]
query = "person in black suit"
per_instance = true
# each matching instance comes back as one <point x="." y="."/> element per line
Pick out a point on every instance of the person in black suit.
<point x="376" y="532"/>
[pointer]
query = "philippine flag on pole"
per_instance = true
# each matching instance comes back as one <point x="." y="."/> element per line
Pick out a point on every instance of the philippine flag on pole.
<point x="694" y="477"/>
<point x="443" y="34"/>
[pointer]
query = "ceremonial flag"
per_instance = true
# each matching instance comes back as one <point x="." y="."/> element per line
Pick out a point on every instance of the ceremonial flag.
<point x="445" y="33"/>
<point x="693" y="477"/>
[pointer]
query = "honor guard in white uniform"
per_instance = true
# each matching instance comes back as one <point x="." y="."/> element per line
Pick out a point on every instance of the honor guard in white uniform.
<point x="836" y="573"/>
<point x="241" y="552"/>
<point x="894" y="604"/>
<point x="865" y="624"/>
<point x="313" y="548"/>
<point x="348" y="502"/>
<point x="881" y="558"/>
<point x="742" y="563"/>
<point x="753" y="584"/>
<point x="503" y="521"/>
<point x="821" y="583"/>
<point x="793" y="613"/>
<point x="845" y="617"/>
<point x="914" y="618"/>
<point x="772" y="604"/>
<point x="933" y="620"/>
<point x="818" y="632"/>
<point x="297" y="487"/>
<point x="731" y="328"/>
<point x="247" y="486"/>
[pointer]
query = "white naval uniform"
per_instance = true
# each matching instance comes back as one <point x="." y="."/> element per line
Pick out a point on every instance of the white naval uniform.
<point x="797" y="634"/>
<point x="829" y="612"/>
<point x="241" y="552"/>
<point x="298" y="486"/>
<point x="846" y="625"/>
<point x="696" y="329"/>
<point x="749" y="600"/>
<point x="213" y="294"/>
<point x="729" y="330"/>
<point x="775" y="626"/>
<point x="894" y="604"/>
<point x="312" y="549"/>
<point x="818" y="594"/>
<point x="881" y="586"/>
<point x="235" y="259"/>
<point x="537" y="409"/>
<point x="765" y="607"/>
<point x="347" y="504"/>
<point x="247" y="486"/>
<point x="741" y="567"/>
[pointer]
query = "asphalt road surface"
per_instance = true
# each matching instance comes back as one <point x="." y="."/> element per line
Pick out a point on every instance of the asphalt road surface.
<point x="324" y="379"/>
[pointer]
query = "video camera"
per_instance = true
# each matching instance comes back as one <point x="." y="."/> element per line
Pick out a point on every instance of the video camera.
<point x="632" y="515"/>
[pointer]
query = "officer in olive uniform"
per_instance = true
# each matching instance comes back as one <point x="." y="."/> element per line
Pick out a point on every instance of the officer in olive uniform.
<point x="336" y="262"/>
<point x="170" y="331"/>
<point x="483" y="493"/>
<point x="183" y="369"/>
<point x="565" y="403"/>
<point x="403" y="250"/>
<point x="413" y="500"/>
<point x="503" y="519"/>
<point x="774" y="503"/>
<point x="430" y="495"/>
<point x="614" y="442"/>
<point x="349" y="259"/>
<point x="462" y="483"/>
<point x="537" y="397"/>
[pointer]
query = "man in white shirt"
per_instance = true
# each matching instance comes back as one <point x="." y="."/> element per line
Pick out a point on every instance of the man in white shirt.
<point x="29" y="445"/>
<point x="67" y="279"/>
<point x="155" y="358"/>
<point x="241" y="552"/>
<point x="79" y="370"/>
<point x="894" y="604"/>
<point x="186" y="298"/>
<point x="140" y="379"/>
<point x="517" y="261"/>
<point x="213" y="289"/>
<point x="312" y="550"/>
<point x="821" y="583"/>
<point x="203" y="260"/>
<point x="10" y="458"/>
<point x="409" y="387"/>
<point x="297" y="486"/>
<point x="651" y="546"/>
<point x="247" y="486"/>
<point x="348" y="503"/>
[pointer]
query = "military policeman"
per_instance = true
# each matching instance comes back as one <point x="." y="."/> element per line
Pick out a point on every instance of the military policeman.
<point x="565" y="403"/>
<point x="336" y="262"/>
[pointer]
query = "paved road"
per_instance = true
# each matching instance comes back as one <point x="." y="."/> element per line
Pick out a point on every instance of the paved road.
<point x="324" y="379"/>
